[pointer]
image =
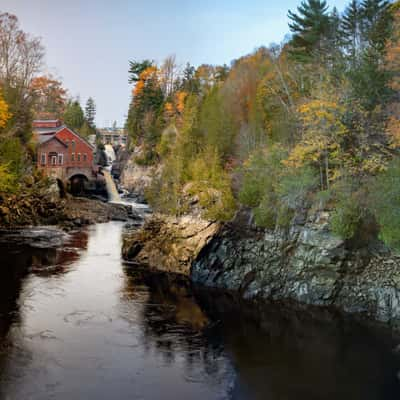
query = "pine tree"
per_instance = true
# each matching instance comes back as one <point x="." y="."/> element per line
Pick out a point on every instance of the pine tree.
<point x="90" y="112"/>
<point x="310" y="26"/>
<point x="376" y="23"/>
<point x="136" y="68"/>
<point x="351" y="28"/>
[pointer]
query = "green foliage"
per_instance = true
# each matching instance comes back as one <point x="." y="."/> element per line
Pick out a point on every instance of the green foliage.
<point x="265" y="212"/>
<point x="8" y="180"/>
<point x="12" y="154"/>
<point x="346" y="218"/>
<point x="284" y="217"/>
<point x="260" y="176"/>
<point x="295" y="185"/>
<point x="385" y="204"/>
<point x="136" y="68"/>
<point x="73" y="115"/>
<point x="309" y="26"/>
<point x="212" y="185"/>
<point x="90" y="112"/>
<point x="216" y="124"/>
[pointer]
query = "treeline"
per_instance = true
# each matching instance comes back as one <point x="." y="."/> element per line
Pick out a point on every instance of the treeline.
<point x="26" y="94"/>
<point x="313" y="122"/>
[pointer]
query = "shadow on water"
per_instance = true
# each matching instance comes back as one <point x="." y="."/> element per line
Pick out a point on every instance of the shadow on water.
<point x="77" y="323"/>
<point x="277" y="351"/>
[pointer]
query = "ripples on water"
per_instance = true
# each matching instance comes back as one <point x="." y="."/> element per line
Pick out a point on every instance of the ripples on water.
<point x="77" y="323"/>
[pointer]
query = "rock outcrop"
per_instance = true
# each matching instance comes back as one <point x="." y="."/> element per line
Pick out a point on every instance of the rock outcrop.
<point x="135" y="178"/>
<point x="169" y="244"/>
<point x="306" y="264"/>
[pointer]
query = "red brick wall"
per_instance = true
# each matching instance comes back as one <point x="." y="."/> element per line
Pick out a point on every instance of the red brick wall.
<point x="80" y="147"/>
<point x="52" y="146"/>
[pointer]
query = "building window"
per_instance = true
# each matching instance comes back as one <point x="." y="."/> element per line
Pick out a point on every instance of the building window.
<point x="84" y="157"/>
<point x="73" y="157"/>
<point x="43" y="159"/>
<point x="53" y="160"/>
<point x="73" y="145"/>
<point x="67" y="143"/>
<point x="79" y="157"/>
<point x="60" y="159"/>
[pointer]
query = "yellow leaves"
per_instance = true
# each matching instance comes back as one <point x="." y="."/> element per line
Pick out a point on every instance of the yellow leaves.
<point x="5" y="115"/>
<point x="322" y="114"/>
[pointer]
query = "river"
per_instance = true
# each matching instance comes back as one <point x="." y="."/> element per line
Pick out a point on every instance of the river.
<point x="76" y="323"/>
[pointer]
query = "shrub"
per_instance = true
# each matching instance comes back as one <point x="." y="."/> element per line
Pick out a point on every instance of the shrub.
<point x="384" y="200"/>
<point x="265" y="214"/>
<point x="294" y="186"/>
<point x="346" y="218"/>
<point x="261" y="174"/>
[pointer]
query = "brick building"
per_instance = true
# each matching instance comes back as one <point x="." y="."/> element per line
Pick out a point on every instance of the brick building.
<point x="61" y="152"/>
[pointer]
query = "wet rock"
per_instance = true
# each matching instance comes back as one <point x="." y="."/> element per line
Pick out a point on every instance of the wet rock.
<point x="42" y="237"/>
<point x="308" y="265"/>
<point x="167" y="243"/>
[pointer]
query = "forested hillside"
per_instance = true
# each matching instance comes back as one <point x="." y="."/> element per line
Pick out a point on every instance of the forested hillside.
<point x="312" y="123"/>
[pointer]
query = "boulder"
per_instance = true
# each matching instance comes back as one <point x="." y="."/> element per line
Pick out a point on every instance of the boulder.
<point x="169" y="244"/>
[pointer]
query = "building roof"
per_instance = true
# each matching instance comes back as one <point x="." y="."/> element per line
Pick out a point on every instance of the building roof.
<point x="46" y="138"/>
<point x="48" y="130"/>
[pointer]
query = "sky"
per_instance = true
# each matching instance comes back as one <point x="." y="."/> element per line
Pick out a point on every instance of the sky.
<point x="90" y="42"/>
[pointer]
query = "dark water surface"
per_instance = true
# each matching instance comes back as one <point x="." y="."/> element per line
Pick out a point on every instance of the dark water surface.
<point x="76" y="323"/>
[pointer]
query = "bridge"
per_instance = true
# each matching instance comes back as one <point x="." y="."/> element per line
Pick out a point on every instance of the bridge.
<point x="78" y="178"/>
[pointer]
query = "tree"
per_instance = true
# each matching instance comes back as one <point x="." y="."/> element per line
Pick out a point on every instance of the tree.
<point x="168" y="73"/>
<point x="351" y="26"/>
<point x="376" y="20"/>
<point x="90" y="112"/>
<point x="73" y="115"/>
<point x="50" y="97"/>
<point x="136" y="68"/>
<point x="146" y="106"/>
<point x="189" y="82"/>
<point x="20" y="60"/>
<point x="4" y="113"/>
<point x="310" y="26"/>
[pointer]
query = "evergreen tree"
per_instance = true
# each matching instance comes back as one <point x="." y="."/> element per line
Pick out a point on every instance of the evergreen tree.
<point x="310" y="26"/>
<point x="73" y="115"/>
<point x="189" y="82"/>
<point x="376" y="23"/>
<point x="90" y="112"/>
<point x="351" y="28"/>
<point x="136" y="68"/>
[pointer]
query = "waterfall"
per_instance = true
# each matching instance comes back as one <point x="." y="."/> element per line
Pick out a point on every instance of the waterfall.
<point x="112" y="191"/>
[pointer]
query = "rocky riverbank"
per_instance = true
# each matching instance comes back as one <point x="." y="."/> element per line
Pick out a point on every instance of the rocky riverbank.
<point x="305" y="264"/>
<point x="42" y="204"/>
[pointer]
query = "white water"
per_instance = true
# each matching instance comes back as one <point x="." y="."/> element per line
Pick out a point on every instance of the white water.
<point x="112" y="192"/>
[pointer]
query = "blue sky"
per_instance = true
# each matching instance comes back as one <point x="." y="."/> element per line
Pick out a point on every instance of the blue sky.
<point x="89" y="42"/>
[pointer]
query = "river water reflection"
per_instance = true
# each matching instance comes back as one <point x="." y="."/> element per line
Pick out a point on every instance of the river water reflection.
<point x="77" y="323"/>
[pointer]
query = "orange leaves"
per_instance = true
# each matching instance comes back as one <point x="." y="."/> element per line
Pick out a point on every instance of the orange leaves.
<point x="180" y="101"/>
<point x="5" y="115"/>
<point x="50" y="97"/>
<point x="176" y="106"/>
<point x="393" y="52"/>
<point x="149" y="74"/>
